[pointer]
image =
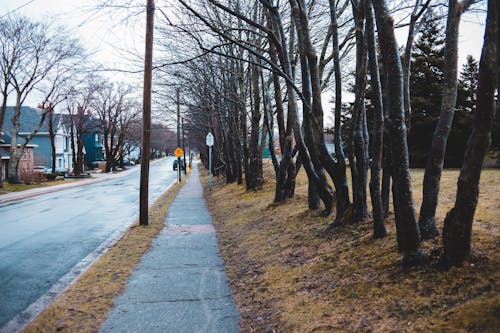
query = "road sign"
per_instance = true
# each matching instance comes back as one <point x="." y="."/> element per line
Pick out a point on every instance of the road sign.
<point x="210" y="139"/>
<point x="178" y="152"/>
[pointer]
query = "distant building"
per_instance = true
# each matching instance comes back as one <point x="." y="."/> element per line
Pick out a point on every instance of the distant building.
<point x="30" y="118"/>
<point x="25" y="163"/>
<point x="93" y="146"/>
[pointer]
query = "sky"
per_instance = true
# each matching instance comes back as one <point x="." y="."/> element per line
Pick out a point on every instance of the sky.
<point x="114" y="43"/>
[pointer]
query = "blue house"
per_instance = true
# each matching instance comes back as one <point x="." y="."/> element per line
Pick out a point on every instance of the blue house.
<point x="30" y="117"/>
<point x="92" y="141"/>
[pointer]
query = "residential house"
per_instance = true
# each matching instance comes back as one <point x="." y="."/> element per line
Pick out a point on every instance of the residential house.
<point x="26" y="162"/>
<point x="30" y="117"/>
<point x="93" y="141"/>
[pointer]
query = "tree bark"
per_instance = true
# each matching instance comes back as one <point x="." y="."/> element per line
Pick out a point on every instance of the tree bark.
<point x="323" y="191"/>
<point x="413" y="29"/>
<point x="379" y="230"/>
<point x="435" y="161"/>
<point x="255" y="179"/>
<point x="52" y="138"/>
<point x="360" y="160"/>
<point x="457" y="229"/>
<point x="406" y="224"/>
<point x="341" y="187"/>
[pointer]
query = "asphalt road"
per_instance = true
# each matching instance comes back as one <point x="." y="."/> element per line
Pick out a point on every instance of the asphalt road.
<point x="45" y="237"/>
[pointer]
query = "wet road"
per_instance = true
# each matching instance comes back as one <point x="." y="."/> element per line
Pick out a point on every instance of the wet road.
<point x="45" y="237"/>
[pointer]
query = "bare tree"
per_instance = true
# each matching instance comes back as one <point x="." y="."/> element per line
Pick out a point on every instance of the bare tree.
<point x="78" y="106"/>
<point x="113" y="107"/>
<point x="408" y="236"/>
<point x="435" y="160"/>
<point x="42" y="49"/>
<point x="379" y="229"/>
<point x="457" y="230"/>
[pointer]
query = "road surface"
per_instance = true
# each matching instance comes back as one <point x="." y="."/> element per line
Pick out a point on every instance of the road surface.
<point x="43" y="239"/>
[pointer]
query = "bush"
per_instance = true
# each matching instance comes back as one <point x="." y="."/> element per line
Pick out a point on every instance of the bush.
<point x="33" y="177"/>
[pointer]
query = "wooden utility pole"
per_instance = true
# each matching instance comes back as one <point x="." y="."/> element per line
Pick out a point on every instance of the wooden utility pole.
<point x="184" y="147"/>
<point x="146" y="115"/>
<point x="179" y="169"/>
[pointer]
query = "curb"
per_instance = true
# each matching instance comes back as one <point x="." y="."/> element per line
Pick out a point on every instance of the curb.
<point x="22" y="195"/>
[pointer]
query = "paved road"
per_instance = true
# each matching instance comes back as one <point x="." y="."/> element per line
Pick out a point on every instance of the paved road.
<point x="43" y="238"/>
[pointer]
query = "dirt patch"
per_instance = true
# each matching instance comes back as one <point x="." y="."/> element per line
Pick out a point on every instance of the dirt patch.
<point x="288" y="276"/>
<point x="84" y="306"/>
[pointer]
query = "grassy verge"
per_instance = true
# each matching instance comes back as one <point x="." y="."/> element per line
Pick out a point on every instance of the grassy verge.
<point x="7" y="187"/>
<point x="83" y="307"/>
<point x="287" y="276"/>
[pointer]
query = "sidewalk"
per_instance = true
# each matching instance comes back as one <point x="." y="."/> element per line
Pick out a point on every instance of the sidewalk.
<point x="180" y="284"/>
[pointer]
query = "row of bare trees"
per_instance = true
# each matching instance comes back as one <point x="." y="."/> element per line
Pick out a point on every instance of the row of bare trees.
<point x="44" y="60"/>
<point x="260" y="69"/>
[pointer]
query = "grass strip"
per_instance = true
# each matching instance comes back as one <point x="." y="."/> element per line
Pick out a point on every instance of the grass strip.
<point x="85" y="304"/>
<point x="287" y="275"/>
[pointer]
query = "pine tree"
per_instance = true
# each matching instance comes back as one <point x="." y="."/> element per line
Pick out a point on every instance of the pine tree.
<point x="426" y="85"/>
<point x="467" y="86"/>
<point x="464" y="114"/>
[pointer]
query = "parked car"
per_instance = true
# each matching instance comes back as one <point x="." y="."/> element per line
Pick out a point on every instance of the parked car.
<point x="58" y="170"/>
<point x="39" y="168"/>
<point x="126" y="161"/>
<point x="97" y="164"/>
<point x="183" y="165"/>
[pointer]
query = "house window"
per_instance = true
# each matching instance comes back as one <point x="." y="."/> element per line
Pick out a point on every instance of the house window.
<point x="96" y="137"/>
<point x="59" y="163"/>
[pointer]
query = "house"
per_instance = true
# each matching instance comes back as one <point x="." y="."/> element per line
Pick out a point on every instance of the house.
<point x="29" y="120"/>
<point x="26" y="162"/>
<point x="93" y="141"/>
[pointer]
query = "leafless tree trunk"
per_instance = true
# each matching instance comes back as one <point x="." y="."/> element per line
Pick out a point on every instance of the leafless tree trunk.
<point x="359" y="159"/>
<point x="435" y="161"/>
<point x="52" y="138"/>
<point x="413" y="29"/>
<point x="379" y="230"/>
<point x="254" y="177"/>
<point x="42" y="49"/>
<point x="457" y="229"/>
<point x="341" y="186"/>
<point x="408" y="236"/>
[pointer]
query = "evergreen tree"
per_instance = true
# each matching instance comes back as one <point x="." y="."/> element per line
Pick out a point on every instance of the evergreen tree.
<point x="426" y="85"/>
<point x="464" y="113"/>
<point x="467" y="86"/>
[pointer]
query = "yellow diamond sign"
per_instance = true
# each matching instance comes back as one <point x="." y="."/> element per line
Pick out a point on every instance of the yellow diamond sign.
<point x="178" y="152"/>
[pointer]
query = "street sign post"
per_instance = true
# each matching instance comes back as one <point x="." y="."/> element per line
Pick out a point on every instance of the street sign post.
<point x="210" y="143"/>
<point x="178" y="153"/>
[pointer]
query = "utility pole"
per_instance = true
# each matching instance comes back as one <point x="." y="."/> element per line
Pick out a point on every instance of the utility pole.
<point x="146" y="115"/>
<point x="178" y="134"/>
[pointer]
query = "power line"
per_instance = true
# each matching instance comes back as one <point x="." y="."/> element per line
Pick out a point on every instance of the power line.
<point x="16" y="9"/>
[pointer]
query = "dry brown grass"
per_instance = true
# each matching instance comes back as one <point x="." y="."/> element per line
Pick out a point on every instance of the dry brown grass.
<point x="7" y="187"/>
<point x="83" y="307"/>
<point x="287" y="276"/>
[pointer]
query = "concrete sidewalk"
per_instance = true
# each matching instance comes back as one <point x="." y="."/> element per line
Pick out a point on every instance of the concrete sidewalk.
<point x="180" y="284"/>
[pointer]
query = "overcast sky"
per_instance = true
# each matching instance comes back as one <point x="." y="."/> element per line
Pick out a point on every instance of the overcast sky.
<point x="106" y="37"/>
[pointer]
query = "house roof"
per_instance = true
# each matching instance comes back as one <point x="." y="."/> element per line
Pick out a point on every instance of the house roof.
<point x="28" y="121"/>
<point x="30" y="118"/>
